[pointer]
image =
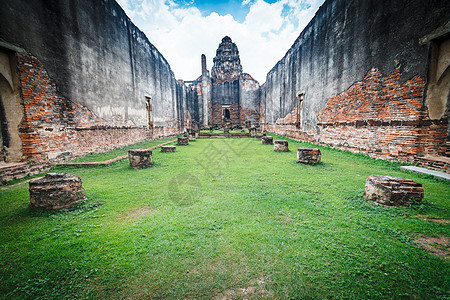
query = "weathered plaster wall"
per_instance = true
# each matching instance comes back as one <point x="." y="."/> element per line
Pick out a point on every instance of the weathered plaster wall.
<point x="241" y="97"/>
<point x="11" y="109"/>
<point x="96" y="58"/>
<point x="206" y="91"/>
<point x="338" y="48"/>
<point x="249" y="99"/>
<point x="225" y="93"/>
<point x="54" y="127"/>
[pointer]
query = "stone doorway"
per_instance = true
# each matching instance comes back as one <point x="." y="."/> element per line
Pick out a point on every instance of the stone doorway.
<point x="226" y="114"/>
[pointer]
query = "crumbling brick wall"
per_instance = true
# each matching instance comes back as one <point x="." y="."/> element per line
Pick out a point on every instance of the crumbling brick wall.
<point x="54" y="127"/>
<point x="217" y="114"/>
<point x="378" y="116"/>
<point x="86" y="88"/>
<point x="364" y="74"/>
<point x="384" y="118"/>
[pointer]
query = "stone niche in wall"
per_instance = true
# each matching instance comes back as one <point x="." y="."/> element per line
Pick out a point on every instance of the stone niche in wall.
<point x="439" y="73"/>
<point x="11" y="108"/>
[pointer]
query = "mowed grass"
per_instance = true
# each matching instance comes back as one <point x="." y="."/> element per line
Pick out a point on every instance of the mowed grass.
<point x="120" y="151"/>
<point x="225" y="218"/>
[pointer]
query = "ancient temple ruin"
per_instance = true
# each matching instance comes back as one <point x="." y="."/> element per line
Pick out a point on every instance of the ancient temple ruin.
<point x="227" y="96"/>
<point x="365" y="77"/>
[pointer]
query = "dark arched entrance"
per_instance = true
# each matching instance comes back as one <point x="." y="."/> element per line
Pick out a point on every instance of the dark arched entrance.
<point x="226" y="114"/>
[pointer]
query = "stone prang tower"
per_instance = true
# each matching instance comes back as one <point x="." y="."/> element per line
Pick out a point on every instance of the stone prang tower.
<point x="228" y="96"/>
<point x="227" y="64"/>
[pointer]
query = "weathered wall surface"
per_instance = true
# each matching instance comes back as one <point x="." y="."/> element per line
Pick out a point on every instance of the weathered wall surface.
<point x="53" y="127"/>
<point x="347" y="104"/>
<point x="95" y="57"/>
<point x="11" y="109"/>
<point x="390" y="120"/>
<point x="249" y="99"/>
<point x="225" y="93"/>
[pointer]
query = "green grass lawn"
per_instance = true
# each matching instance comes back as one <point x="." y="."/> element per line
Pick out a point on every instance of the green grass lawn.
<point x="121" y="151"/>
<point x="225" y="218"/>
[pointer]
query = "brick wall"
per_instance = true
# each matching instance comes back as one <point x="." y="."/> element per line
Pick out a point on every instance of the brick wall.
<point x="384" y="118"/>
<point x="378" y="116"/>
<point x="54" y="127"/>
<point x="21" y="170"/>
<point x="171" y="129"/>
<point x="249" y="115"/>
<point x="217" y="114"/>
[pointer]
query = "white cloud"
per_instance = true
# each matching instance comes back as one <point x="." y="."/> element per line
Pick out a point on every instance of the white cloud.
<point x="182" y="34"/>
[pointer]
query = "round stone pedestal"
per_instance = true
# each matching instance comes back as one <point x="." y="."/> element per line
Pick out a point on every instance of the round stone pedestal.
<point x="308" y="155"/>
<point x="140" y="158"/>
<point x="281" y="146"/>
<point x="183" y="140"/>
<point x="168" y="148"/>
<point x="392" y="191"/>
<point x="55" y="191"/>
<point x="267" y="140"/>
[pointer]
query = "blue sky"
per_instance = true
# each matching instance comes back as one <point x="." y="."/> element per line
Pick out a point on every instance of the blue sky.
<point x="222" y="7"/>
<point x="182" y="30"/>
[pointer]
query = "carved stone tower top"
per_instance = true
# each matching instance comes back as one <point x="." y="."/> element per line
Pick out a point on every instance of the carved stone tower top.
<point x="227" y="64"/>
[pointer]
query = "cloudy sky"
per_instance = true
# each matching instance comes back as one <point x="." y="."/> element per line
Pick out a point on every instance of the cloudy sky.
<point x="182" y="30"/>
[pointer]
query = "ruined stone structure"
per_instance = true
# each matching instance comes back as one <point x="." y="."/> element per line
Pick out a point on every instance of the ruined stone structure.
<point x="392" y="191"/>
<point x="140" y="158"/>
<point x="228" y="96"/>
<point x="267" y="140"/>
<point x="55" y="191"/>
<point x="168" y="148"/>
<point x="308" y="155"/>
<point x="77" y="77"/>
<point x="367" y="76"/>
<point x="281" y="146"/>
<point x="258" y="137"/>
<point x="183" y="140"/>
